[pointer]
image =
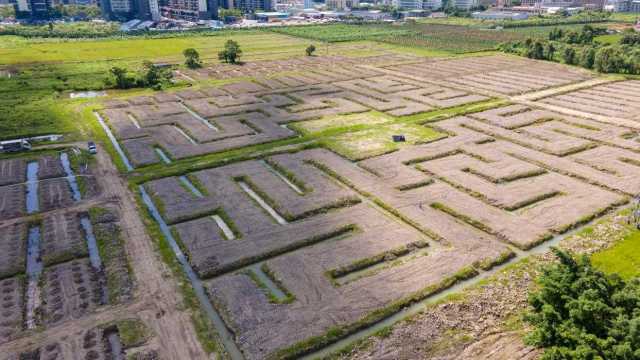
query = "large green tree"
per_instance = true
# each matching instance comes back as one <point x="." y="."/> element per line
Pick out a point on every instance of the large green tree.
<point x="580" y="313"/>
<point x="192" y="58"/>
<point x="231" y="53"/>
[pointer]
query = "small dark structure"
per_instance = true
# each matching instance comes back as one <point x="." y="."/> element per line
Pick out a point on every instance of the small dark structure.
<point x="399" y="138"/>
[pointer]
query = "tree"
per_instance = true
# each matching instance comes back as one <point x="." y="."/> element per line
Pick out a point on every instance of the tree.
<point x="231" y="53"/>
<point x="192" y="58"/>
<point x="7" y="11"/>
<point x="581" y="313"/>
<point x="310" y="49"/>
<point x="556" y="34"/>
<point x="122" y="81"/>
<point x="588" y="57"/>
<point x="151" y="74"/>
<point x="550" y="50"/>
<point x="630" y="39"/>
<point x="609" y="60"/>
<point x="569" y="55"/>
<point x="535" y="50"/>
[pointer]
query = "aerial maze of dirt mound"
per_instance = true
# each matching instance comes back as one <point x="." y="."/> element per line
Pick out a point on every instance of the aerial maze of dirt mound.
<point x="293" y="245"/>
<point x="50" y="266"/>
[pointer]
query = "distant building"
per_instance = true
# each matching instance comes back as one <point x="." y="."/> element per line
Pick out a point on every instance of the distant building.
<point x="37" y="9"/>
<point x="465" y="4"/>
<point x="373" y="15"/>
<point x="500" y="15"/>
<point x="626" y="6"/>
<point x="271" y="16"/>
<point x="130" y="9"/>
<point x="341" y="4"/>
<point x="190" y="10"/>
<point x="308" y="4"/>
<point x="408" y="4"/>
<point x="432" y="4"/>
<point x="249" y="6"/>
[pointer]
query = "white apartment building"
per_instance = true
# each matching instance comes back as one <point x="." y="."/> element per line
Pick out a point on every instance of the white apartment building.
<point x="408" y="4"/>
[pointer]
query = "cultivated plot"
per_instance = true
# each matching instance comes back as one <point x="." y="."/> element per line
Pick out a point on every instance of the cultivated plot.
<point x="196" y="122"/>
<point x="492" y="75"/>
<point x="296" y="244"/>
<point x="320" y="65"/>
<point x="51" y="268"/>
<point x="617" y="100"/>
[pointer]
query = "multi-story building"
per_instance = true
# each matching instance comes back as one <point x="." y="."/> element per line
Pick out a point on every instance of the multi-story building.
<point x="432" y="4"/>
<point x="191" y="10"/>
<point x="250" y="6"/>
<point x="37" y="9"/>
<point x="130" y="9"/>
<point x="626" y="5"/>
<point x="308" y="4"/>
<point x="341" y="4"/>
<point x="465" y="4"/>
<point x="408" y="4"/>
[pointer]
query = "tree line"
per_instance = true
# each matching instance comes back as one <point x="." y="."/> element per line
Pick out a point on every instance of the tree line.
<point x="579" y="48"/>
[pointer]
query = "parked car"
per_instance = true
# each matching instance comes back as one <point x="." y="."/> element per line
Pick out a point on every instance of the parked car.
<point x="92" y="148"/>
<point x="15" y="145"/>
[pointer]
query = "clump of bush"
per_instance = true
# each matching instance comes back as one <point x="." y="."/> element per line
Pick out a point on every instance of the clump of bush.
<point x="150" y="75"/>
<point x="580" y="312"/>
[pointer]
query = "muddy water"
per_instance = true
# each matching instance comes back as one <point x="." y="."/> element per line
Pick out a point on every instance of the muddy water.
<point x="86" y="94"/>
<point x="194" y="190"/>
<point x="92" y="244"/>
<point x="115" y="345"/>
<point x="32" y="187"/>
<point x="263" y="204"/>
<point x="71" y="178"/>
<point x="197" y="116"/>
<point x="115" y="143"/>
<point x="34" y="270"/>
<point x="94" y="256"/>
<point x="293" y="186"/>
<point x="134" y="121"/>
<point x="272" y="287"/>
<point x="226" y="230"/>
<point x="163" y="156"/>
<point x="226" y="336"/>
<point x="183" y="133"/>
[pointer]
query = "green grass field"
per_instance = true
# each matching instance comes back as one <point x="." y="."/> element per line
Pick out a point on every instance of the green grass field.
<point x="343" y="32"/>
<point x="609" y="39"/>
<point x="623" y="258"/>
<point x="34" y="100"/>
<point x="15" y="50"/>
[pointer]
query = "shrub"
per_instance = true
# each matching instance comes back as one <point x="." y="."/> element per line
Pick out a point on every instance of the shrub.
<point x="569" y="55"/>
<point x="588" y="57"/>
<point x="310" y="49"/>
<point x="581" y="313"/>
<point x="609" y="60"/>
